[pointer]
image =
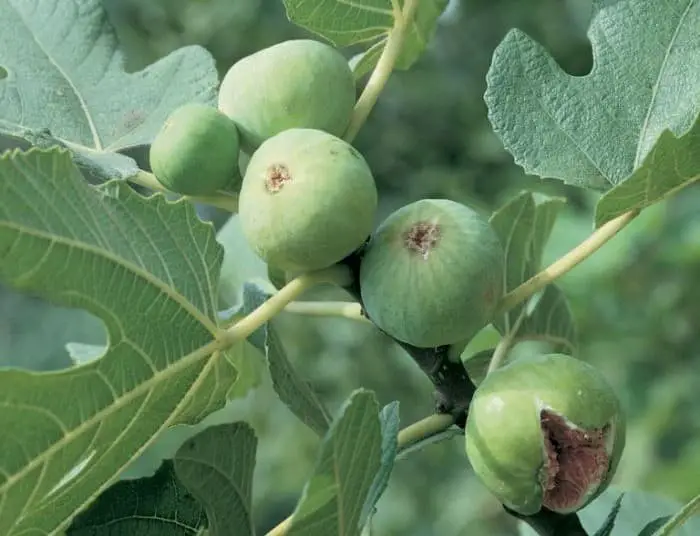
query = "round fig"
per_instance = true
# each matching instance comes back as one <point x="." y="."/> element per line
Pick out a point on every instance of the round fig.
<point x="432" y="273"/>
<point x="308" y="200"/>
<point x="196" y="151"/>
<point x="301" y="83"/>
<point x="545" y="431"/>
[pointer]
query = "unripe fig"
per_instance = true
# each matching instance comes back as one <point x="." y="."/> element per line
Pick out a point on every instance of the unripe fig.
<point x="308" y="200"/>
<point x="432" y="273"/>
<point x="545" y="431"/>
<point x="301" y="83"/>
<point x="196" y="151"/>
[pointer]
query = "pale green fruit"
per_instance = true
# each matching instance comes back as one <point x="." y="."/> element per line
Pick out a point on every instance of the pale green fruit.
<point x="548" y="421"/>
<point x="299" y="83"/>
<point x="308" y="200"/>
<point x="432" y="273"/>
<point x="196" y="151"/>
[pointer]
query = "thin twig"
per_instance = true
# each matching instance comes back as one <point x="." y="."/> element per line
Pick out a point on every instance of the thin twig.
<point x="350" y="310"/>
<point x="581" y="252"/>
<point x="382" y="71"/>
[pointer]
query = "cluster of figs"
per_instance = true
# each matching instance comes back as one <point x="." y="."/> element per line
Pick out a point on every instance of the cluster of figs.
<point x="544" y="431"/>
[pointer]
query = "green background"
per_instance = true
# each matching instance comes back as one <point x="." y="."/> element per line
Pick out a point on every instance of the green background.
<point x="637" y="301"/>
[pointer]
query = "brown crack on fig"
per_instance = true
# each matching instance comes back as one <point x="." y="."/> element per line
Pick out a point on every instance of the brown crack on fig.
<point x="422" y="237"/>
<point x="276" y="177"/>
<point x="577" y="462"/>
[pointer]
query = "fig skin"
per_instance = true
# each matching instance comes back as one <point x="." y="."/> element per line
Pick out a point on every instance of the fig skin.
<point x="441" y="297"/>
<point x="308" y="200"/>
<point x="300" y="83"/>
<point x="196" y="151"/>
<point x="503" y="437"/>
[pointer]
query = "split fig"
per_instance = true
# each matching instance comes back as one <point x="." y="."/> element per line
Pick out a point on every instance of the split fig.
<point x="545" y="431"/>
<point x="301" y="83"/>
<point x="196" y="151"/>
<point x="432" y="273"/>
<point x="308" y="200"/>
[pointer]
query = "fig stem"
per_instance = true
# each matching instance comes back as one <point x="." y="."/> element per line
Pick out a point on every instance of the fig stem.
<point x="581" y="252"/>
<point x="342" y="309"/>
<point x="385" y="65"/>
<point x="504" y="345"/>
<point x="225" y="201"/>
<point x="337" y="274"/>
<point x="454" y="388"/>
<point x="418" y="431"/>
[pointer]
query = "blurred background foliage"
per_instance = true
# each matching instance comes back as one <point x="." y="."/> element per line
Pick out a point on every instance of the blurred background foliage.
<point x="637" y="301"/>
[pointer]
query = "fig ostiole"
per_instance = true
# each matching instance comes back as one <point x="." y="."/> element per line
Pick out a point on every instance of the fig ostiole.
<point x="300" y="83"/>
<point x="432" y="273"/>
<point x="196" y="151"/>
<point x="308" y="200"/>
<point x="545" y="431"/>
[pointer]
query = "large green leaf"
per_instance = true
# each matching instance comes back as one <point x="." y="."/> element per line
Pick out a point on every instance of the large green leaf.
<point x="350" y="456"/>
<point x="155" y="506"/>
<point x="66" y="80"/>
<point x="595" y="130"/>
<point x="672" y="164"/>
<point x="348" y="23"/>
<point x="148" y="269"/>
<point x="217" y="466"/>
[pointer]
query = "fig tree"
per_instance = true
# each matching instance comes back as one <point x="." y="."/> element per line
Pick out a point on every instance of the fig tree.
<point x="301" y="83"/>
<point x="308" y="200"/>
<point x="196" y="151"/>
<point x="432" y="273"/>
<point x="545" y="431"/>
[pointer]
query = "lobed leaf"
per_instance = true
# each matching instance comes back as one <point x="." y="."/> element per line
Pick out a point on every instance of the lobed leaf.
<point x="217" y="467"/>
<point x="367" y="21"/>
<point x="155" y="506"/>
<point x="148" y="269"/>
<point x="672" y="164"/>
<point x="66" y="83"/>
<point x="349" y="459"/>
<point x="595" y="130"/>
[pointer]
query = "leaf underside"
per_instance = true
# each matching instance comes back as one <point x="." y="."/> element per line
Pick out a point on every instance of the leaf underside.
<point x="148" y="269"/>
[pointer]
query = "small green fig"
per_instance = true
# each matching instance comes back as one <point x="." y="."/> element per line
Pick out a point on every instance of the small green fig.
<point x="196" y="151"/>
<point x="545" y="431"/>
<point x="432" y="273"/>
<point x="308" y="200"/>
<point x="301" y="83"/>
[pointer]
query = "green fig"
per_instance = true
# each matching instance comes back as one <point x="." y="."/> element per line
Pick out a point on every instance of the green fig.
<point x="432" y="273"/>
<point x="301" y="83"/>
<point x="308" y="200"/>
<point x="196" y="151"/>
<point x="545" y="431"/>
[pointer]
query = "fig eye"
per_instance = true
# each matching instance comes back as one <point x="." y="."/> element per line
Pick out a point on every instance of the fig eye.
<point x="432" y="273"/>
